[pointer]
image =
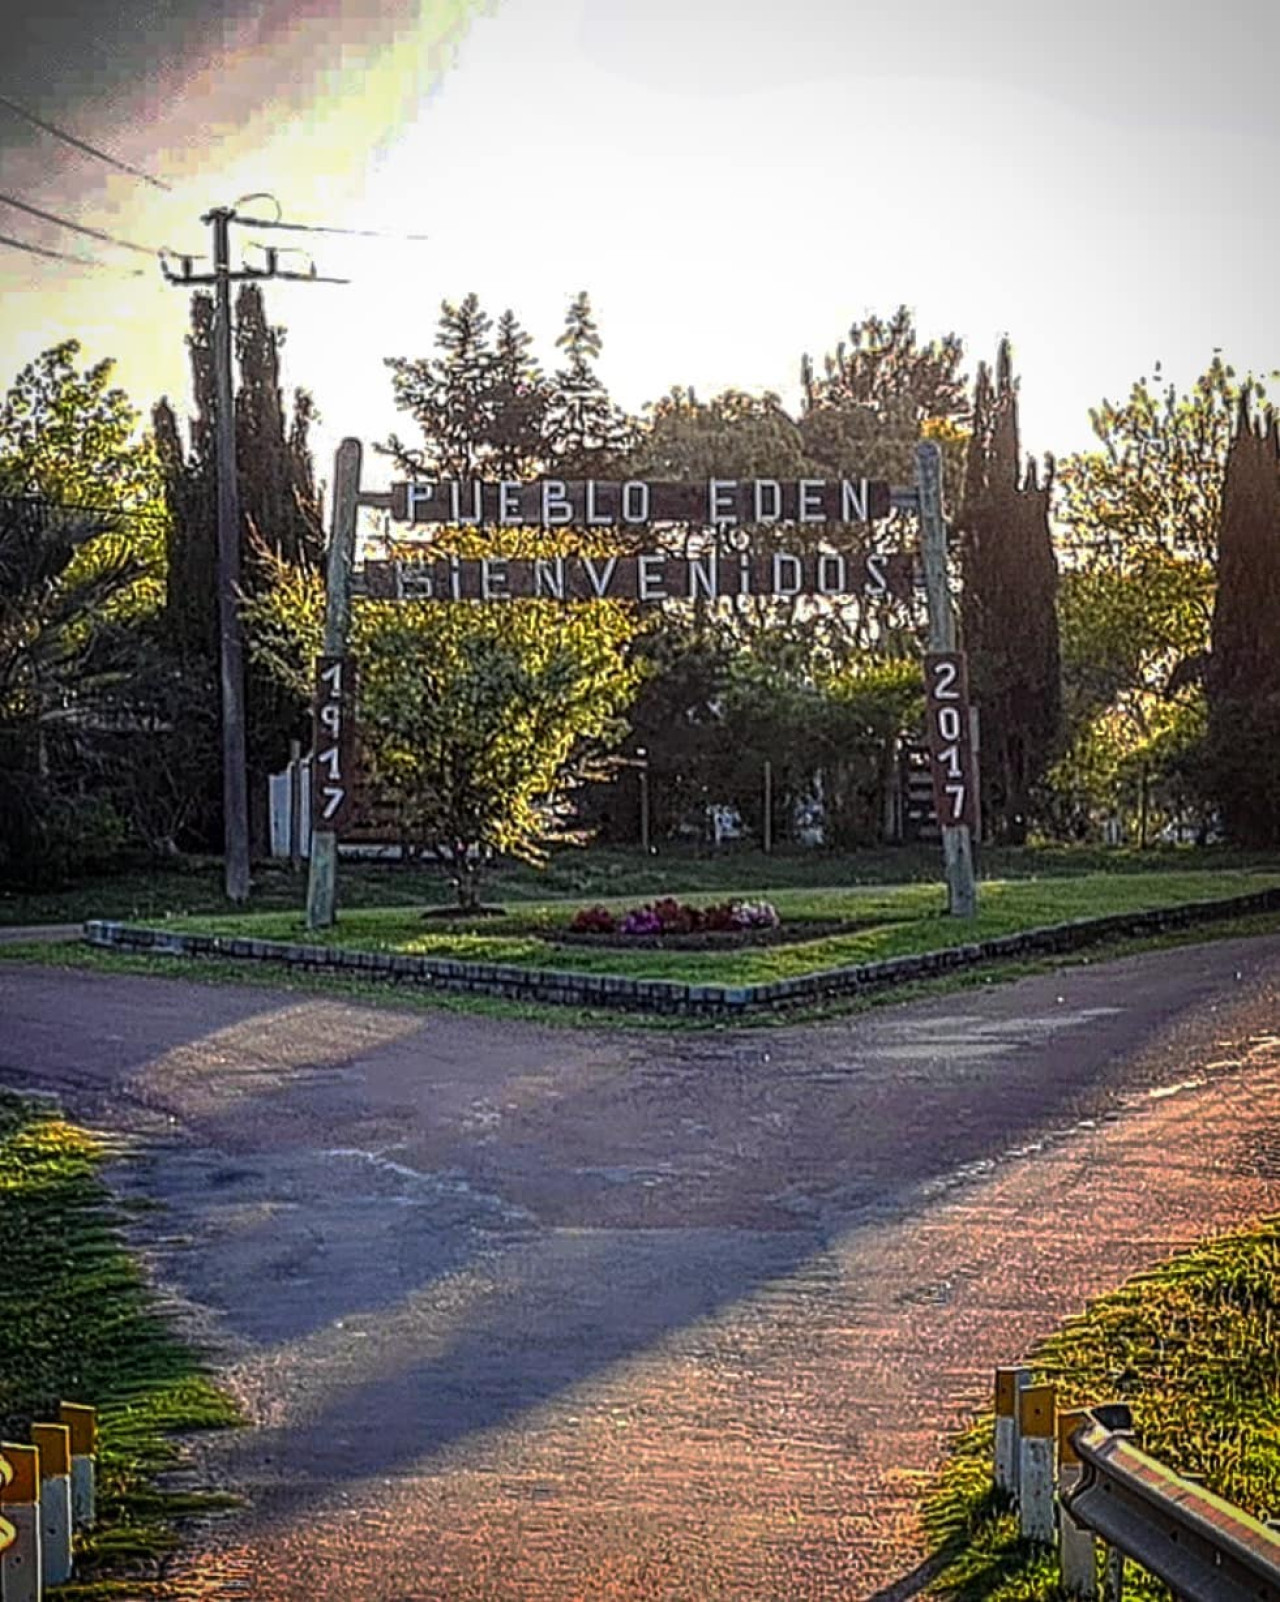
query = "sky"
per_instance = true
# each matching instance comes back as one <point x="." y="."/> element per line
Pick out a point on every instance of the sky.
<point x="734" y="182"/>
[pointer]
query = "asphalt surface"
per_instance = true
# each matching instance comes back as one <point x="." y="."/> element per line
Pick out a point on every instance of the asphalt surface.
<point x="521" y="1312"/>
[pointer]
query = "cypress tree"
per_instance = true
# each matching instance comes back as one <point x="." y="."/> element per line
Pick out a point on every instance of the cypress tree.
<point x="1243" y="681"/>
<point x="280" y="518"/>
<point x="1008" y="612"/>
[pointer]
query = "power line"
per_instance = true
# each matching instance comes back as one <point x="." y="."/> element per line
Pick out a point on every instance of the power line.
<point x="91" y="150"/>
<point x="61" y="255"/>
<point x="324" y="228"/>
<point x="45" y="503"/>
<point x="79" y="228"/>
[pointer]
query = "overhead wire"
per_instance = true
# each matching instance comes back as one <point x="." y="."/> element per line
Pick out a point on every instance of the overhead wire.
<point x="324" y="228"/>
<point x="62" y="255"/>
<point x="80" y="144"/>
<point x="79" y="228"/>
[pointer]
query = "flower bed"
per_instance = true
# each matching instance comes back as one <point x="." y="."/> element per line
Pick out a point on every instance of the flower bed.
<point x="681" y="926"/>
<point x="793" y="932"/>
<point x="667" y="916"/>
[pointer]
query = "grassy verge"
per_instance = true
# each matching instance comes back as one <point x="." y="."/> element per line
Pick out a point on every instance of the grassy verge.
<point x="77" y="1323"/>
<point x="379" y="993"/>
<point x="194" y="885"/>
<point x="903" y="920"/>
<point x="1194" y="1348"/>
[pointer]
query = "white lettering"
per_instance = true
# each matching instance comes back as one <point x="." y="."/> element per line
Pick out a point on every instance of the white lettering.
<point x="475" y="515"/>
<point x="415" y="580"/>
<point x="509" y="503"/>
<point x="493" y="579"/>
<point x="557" y="509"/>
<point x="853" y="500"/>
<point x="414" y="494"/>
<point x="809" y="500"/>
<point x="775" y="492"/>
<point x="719" y="496"/>
<point x="592" y="518"/>
<point x="945" y="675"/>
<point x="744" y="573"/>
<point x="332" y="760"/>
<point x="332" y="676"/>
<point x="827" y="586"/>
<point x="651" y="578"/>
<point x="334" y="796"/>
<point x="956" y="792"/>
<point x="635" y="508"/>
<point x="949" y="722"/>
<point x="793" y="568"/>
<point x="549" y="575"/>
<point x="876" y="583"/>
<point x="455" y="579"/>
<point x="702" y="576"/>
<point x="600" y="582"/>
<point x="331" y="718"/>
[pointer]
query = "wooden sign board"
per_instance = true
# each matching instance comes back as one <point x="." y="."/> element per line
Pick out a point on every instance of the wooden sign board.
<point x="594" y="503"/>
<point x="651" y="577"/>
<point x="949" y="731"/>
<point x="333" y="746"/>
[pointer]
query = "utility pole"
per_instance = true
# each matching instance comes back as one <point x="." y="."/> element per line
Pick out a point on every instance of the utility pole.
<point x="235" y="788"/>
<point x="235" y="792"/>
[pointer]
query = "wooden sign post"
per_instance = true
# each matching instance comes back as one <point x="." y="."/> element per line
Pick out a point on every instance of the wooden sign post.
<point x="322" y="876"/>
<point x="946" y="690"/>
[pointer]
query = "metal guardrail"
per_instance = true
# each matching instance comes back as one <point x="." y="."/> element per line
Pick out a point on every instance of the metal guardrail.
<point x="1204" y="1549"/>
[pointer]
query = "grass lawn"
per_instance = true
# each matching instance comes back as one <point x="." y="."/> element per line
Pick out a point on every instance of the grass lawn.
<point x="78" y="1324"/>
<point x="194" y="885"/>
<point x="1194" y="1348"/>
<point x="893" y="922"/>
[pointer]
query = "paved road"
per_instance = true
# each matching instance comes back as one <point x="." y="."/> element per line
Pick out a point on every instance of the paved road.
<point x="526" y="1315"/>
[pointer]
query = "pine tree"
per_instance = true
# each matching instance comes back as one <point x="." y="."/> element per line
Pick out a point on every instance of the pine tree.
<point x="1243" y="681"/>
<point x="586" y="432"/>
<point x="1010" y="627"/>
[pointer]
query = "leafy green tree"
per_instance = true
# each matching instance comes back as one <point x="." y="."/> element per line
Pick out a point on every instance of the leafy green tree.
<point x="1137" y="520"/>
<point x="1010" y="625"/>
<point x="477" y="722"/>
<point x="82" y="532"/>
<point x="1244" y="672"/>
<point x="69" y="439"/>
<point x="62" y="657"/>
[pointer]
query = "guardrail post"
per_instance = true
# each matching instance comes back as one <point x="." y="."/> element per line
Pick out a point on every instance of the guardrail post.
<point x="1009" y="1381"/>
<point x="82" y="1422"/>
<point x="1077" y="1547"/>
<point x="1036" y="1408"/>
<point x="20" y="1565"/>
<point x="53" y="1442"/>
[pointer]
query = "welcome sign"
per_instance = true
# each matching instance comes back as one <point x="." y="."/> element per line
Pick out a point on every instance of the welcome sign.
<point x="651" y="577"/>
<point x="595" y="503"/>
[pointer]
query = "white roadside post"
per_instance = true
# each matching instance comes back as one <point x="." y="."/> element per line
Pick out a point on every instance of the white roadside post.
<point x="82" y="1422"/>
<point x="20" y="1506"/>
<point x="1009" y="1382"/>
<point x="1077" y="1547"/>
<point x="1036" y="1410"/>
<point x="53" y="1442"/>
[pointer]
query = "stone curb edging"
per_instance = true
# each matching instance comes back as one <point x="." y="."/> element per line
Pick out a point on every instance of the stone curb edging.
<point x="668" y="996"/>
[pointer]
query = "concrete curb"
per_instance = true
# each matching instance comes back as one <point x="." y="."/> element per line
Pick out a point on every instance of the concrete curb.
<point x="668" y="996"/>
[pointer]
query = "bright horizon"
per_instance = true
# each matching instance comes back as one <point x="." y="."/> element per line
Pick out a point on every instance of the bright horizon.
<point x="731" y="193"/>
